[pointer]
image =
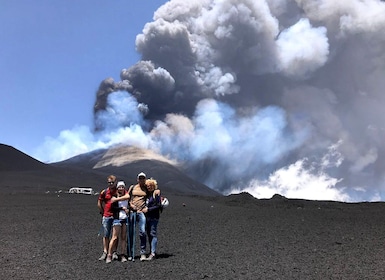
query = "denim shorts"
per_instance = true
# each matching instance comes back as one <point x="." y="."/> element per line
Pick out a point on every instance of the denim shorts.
<point x="118" y="222"/>
<point x="107" y="226"/>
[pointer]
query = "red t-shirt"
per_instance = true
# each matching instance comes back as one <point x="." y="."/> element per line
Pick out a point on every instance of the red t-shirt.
<point x="105" y="197"/>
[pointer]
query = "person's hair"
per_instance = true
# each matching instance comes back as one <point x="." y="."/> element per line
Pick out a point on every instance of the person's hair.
<point x="112" y="178"/>
<point x="152" y="182"/>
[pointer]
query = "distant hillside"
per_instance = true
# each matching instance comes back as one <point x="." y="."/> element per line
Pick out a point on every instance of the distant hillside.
<point x="18" y="170"/>
<point x="126" y="162"/>
<point x="12" y="159"/>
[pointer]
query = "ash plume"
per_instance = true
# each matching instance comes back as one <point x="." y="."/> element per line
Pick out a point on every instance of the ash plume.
<point x="266" y="96"/>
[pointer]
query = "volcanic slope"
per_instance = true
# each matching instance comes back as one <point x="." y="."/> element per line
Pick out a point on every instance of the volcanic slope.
<point x="20" y="171"/>
<point x="126" y="162"/>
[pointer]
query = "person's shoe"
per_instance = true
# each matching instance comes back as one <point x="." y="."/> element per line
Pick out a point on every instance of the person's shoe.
<point x="142" y="258"/>
<point x="151" y="257"/>
<point x="108" y="259"/>
<point x="103" y="256"/>
<point x="115" y="256"/>
<point x="130" y="258"/>
<point x="124" y="259"/>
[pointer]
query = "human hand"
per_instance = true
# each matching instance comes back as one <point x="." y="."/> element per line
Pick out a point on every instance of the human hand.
<point x="133" y="207"/>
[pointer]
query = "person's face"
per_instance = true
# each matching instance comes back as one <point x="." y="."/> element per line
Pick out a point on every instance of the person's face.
<point x="150" y="187"/>
<point x="121" y="189"/>
<point x="111" y="184"/>
<point x="142" y="180"/>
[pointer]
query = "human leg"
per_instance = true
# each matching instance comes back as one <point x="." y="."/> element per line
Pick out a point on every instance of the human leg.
<point x="123" y="241"/>
<point x="148" y="231"/>
<point x="107" y="226"/>
<point x="116" y="229"/>
<point x="142" y="234"/>
<point x="132" y="235"/>
<point x="151" y="227"/>
<point x="153" y="224"/>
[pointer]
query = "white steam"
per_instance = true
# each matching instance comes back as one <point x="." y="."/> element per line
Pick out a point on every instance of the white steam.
<point x="270" y="96"/>
<point x="296" y="181"/>
<point x="302" y="49"/>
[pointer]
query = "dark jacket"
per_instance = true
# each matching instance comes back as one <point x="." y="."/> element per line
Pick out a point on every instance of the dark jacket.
<point x="154" y="207"/>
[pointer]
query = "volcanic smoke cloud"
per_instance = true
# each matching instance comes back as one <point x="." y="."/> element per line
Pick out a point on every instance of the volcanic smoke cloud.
<point x="274" y="96"/>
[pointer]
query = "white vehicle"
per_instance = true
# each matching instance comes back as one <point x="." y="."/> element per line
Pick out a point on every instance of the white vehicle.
<point x="89" y="191"/>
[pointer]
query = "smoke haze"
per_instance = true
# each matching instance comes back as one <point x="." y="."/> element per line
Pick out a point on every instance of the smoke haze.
<point x="273" y="96"/>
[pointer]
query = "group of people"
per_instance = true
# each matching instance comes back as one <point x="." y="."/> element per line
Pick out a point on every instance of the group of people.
<point x="122" y="209"/>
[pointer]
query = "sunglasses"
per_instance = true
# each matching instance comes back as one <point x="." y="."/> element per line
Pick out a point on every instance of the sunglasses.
<point x="110" y="182"/>
<point x="141" y="178"/>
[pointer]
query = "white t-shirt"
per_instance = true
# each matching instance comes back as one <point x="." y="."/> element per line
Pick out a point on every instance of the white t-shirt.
<point x="122" y="213"/>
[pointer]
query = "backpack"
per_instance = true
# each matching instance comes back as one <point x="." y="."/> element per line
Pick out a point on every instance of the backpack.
<point x="103" y="192"/>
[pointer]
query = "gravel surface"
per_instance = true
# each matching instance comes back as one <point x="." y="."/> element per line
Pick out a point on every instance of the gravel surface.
<point x="54" y="236"/>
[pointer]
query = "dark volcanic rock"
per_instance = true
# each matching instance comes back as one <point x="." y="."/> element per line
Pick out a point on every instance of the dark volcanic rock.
<point x="54" y="236"/>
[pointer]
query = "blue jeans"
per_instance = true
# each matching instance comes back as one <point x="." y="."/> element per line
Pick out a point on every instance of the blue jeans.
<point x="141" y="222"/>
<point x="152" y="226"/>
<point x="107" y="226"/>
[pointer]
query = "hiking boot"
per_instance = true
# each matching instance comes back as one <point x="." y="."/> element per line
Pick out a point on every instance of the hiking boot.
<point x="124" y="259"/>
<point x="108" y="259"/>
<point x="142" y="258"/>
<point x="103" y="256"/>
<point x="115" y="256"/>
<point x="151" y="257"/>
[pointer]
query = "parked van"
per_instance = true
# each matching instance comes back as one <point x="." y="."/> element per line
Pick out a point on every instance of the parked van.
<point x="89" y="191"/>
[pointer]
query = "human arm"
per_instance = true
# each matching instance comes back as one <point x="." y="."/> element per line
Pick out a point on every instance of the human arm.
<point x="126" y="196"/>
<point x="100" y="206"/>
<point x="120" y="198"/>
<point x="155" y="203"/>
<point x="101" y="202"/>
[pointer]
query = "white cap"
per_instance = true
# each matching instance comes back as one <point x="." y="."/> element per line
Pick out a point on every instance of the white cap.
<point x="141" y="174"/>
<point x="121" y="183"/>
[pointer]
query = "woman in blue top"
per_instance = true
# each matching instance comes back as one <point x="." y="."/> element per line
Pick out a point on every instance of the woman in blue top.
<point x="152" y="212"/>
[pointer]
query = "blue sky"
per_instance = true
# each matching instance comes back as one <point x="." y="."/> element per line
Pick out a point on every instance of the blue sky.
<point x="53" y="56"/>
